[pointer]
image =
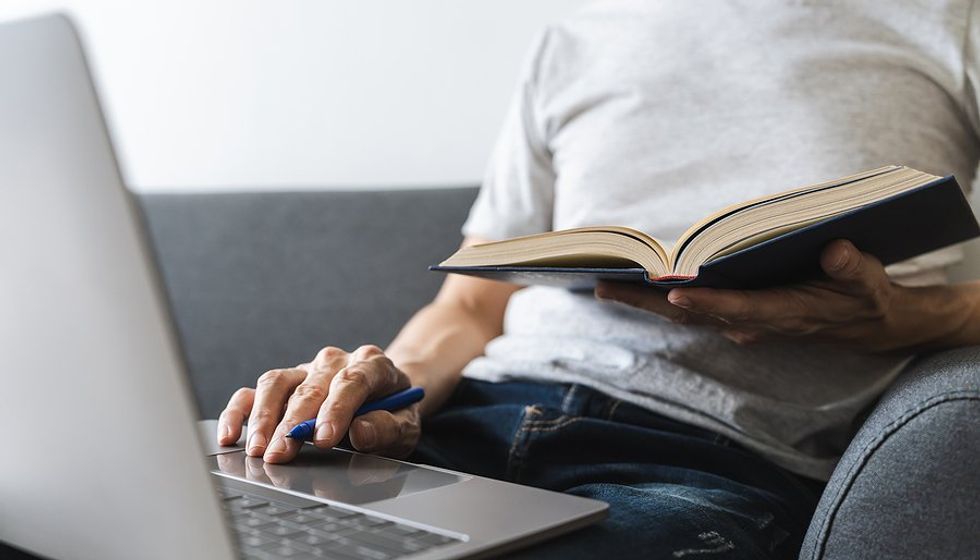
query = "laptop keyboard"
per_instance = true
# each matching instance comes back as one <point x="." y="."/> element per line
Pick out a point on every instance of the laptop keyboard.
<point x="267" y="529"/>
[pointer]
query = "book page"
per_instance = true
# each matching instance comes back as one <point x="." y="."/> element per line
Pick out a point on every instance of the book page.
<point x="599" y="246"/>
<point x="703" y="223"/>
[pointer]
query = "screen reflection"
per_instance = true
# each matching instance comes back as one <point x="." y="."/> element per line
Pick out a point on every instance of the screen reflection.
<point x="334" y="474"/>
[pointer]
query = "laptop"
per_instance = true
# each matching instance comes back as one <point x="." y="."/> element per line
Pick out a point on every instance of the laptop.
<point x="102" y="456"/>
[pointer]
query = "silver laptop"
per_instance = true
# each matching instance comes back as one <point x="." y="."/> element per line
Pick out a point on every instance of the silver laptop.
<point x="101" y="456"/>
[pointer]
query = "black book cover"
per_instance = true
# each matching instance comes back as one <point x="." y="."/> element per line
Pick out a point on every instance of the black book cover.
<point x="893" y="229"/>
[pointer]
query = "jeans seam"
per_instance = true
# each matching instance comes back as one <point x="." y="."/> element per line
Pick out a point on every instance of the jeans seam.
<point x="531" y="429"/>
<point x="613" y="409"/>
<point x="536" y="423"/>
<point x="540" y="427"/>
<point x="518" y="448"/>
<point x="525" y="435"/>
<point x="566" y="402"/>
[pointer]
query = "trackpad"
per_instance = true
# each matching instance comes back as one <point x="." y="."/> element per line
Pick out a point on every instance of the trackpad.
<point x="334" y="474"/>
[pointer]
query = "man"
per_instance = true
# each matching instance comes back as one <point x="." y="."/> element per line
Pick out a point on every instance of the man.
<point x="706" y="418"/>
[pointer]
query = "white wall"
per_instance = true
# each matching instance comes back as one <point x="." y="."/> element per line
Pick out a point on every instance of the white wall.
<point x="230" y="94"/>
<point x="217" y="94"/>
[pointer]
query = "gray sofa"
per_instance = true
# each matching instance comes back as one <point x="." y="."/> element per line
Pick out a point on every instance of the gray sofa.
<point x="262" y="280"/>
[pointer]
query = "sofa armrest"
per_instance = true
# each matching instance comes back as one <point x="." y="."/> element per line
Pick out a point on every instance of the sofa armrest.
<point x="908" y="484"/>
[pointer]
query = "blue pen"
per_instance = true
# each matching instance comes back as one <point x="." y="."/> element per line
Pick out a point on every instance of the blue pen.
<point x="304" y="430"/>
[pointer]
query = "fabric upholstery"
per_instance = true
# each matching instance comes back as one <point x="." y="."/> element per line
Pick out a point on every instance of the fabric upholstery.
<point x="264" y="280"/>
<point x="908" y="485"/>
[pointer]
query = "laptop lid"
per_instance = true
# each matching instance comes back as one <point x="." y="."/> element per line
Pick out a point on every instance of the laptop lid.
<point x="101" y="458"/>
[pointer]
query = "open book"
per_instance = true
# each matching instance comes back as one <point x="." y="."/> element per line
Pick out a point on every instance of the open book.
<point x="893" y="212"/>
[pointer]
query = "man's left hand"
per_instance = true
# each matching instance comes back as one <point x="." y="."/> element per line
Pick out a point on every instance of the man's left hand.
<point x="856" y="304"/>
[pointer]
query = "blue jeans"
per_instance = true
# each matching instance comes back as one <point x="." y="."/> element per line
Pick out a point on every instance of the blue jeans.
<point x="674" y="490"/>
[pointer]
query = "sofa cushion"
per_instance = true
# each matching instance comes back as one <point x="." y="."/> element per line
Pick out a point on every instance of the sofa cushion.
<point x="907" y="486"/>
<point x="263" y="280"/>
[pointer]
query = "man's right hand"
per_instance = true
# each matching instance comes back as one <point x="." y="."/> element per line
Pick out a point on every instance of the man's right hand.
<point x="330" y="388"/>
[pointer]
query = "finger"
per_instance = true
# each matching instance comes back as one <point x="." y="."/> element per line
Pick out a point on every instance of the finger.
<point x="382" y="431"/>
<point x="365" y="352"/>
<point x="271" y="392"/>
<point x="777" y="308"/>
<point x="233" y="416"/>
<point x="650" y="299"/>
<point x="330" y="358"/>
<point x="304" y="402"/>
<point x="842" y="261"/>
<point x="350" y="388"/>
<point x="301" y="406"/>
<point x="804" y="310"/>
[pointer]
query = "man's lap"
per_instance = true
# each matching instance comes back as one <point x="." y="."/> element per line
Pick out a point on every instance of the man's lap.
<point x="674" y="490"/>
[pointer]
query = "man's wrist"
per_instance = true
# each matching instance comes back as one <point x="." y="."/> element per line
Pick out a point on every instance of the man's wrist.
<point x="963" y="320"/>
<point x="934" y="317"/>
<point x="420" y="375"/>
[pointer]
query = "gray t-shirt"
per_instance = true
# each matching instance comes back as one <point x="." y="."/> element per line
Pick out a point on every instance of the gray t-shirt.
<point x="653" y="114"/>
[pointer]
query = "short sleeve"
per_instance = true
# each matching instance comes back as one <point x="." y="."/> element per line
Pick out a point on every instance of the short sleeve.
<point x="931" y="268"/>
<point x="517" y="194"/>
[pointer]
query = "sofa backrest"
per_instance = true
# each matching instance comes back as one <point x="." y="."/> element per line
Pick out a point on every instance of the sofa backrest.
<point x="263" y="280"/>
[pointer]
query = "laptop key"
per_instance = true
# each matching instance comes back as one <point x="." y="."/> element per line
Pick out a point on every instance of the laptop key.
<point x="253" y="541"/>
<point x="241" y="529"/>
<point x="367" y="523"/>
<point x="229" y="493"/>
<point x="271" y="529"/>
<point x="245" y="514"/>
<point x="334" y="554"/>
<point x="330" y="512"/>
<point x="315" y="540"/>
<point x="299" y="517"/>
<point x="330" y="528"/>
<point x="297" y="543"/>
<point x="352" y="549"/>
<point x="327" y="549"/>
<point x="375" y="553"/>
<point x="281" y="549"/>
<point x="271" y="509"/>
<point x="282" y="530"/>
<point x="244" y="502"/>
<point x="400" y="531"/>
<point x="255" y="521"/>
<point x="380" y="543"/>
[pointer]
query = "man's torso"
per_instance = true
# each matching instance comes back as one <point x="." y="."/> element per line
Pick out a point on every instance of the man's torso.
<point x="657" y="113"/>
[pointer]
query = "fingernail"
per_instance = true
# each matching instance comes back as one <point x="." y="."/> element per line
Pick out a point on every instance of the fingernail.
<point x="225" y="432"/>
<point x="840" y="261"/>
<point x="256" y="443"/>
<point x="323" y="432"/>
<point x="679" y="301"/>
<point x="368" y="437"/>
<point x="278" y="446"/>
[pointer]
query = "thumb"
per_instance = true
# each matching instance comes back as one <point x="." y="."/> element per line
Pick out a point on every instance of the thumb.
<point x="841" y="260"/>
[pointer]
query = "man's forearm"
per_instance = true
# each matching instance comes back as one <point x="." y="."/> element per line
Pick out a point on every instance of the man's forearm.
<point x="436" y="344"/>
